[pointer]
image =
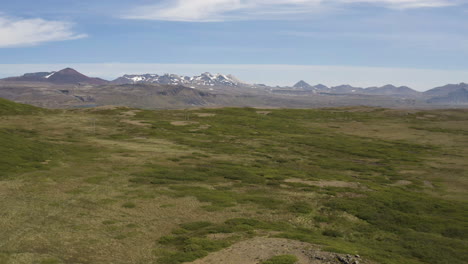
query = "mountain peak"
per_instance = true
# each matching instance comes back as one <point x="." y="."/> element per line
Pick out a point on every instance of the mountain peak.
<point x="69" y="71"/>
<point x="72" y="76"/>
<point x="302" y="85"/>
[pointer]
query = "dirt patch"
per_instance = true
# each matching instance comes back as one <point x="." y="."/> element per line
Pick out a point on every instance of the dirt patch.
<point x="153" y="145"/>
<point x="204" y="114"/>
<point x="135" y="122"/>
<point x="401" y="183"/>
<point x="263" y="112"/>
<point x="202" y="127"/>
<point x="131" y="112"/>
<point x="428" y="184"/>
<point x="183" y="123"/>
<point x="259" y="249"/>
<point x="341" y="184"/>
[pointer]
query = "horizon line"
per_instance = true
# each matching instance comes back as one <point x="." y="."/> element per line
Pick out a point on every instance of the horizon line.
<point x="285" y="75"/>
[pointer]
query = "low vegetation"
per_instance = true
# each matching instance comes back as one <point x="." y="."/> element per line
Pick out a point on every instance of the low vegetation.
<point x="281" y="259"/>
<point x="88" y="186"/>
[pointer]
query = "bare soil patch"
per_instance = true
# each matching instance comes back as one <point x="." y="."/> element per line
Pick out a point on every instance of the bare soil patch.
<point x="135" y="122"/>
<point x="342" y="184"/>
<point x="202" y="127"/>
<point x="259" y="249"/>
<point x="402" y="183"/>
<point x="131" y="112"/>
<point x="428" y="184"/>
<point x="183" y="123"/>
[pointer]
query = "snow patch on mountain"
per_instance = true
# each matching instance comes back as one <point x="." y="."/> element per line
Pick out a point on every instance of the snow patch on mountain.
<point x="205" y="79"/>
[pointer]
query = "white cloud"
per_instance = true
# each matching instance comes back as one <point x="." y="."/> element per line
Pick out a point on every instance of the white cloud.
<point x="17" y="32"/>
<point x="222" y="10"/>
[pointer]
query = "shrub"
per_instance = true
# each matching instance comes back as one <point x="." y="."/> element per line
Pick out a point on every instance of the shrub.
<point x="129" y="205"/>
<point x="332" y="233"/>
<point x="300" y="207"/>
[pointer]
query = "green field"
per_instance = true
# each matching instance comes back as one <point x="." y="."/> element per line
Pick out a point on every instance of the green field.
<point x="120" y="185"/>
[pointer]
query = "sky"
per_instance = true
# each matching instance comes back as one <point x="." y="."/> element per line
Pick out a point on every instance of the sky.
<point x="419" y="43"/>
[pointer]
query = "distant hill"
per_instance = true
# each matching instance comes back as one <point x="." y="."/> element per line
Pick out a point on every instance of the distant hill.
<point x="459" y="96"/>
<point x="321" y="87"/>
<point x="391" y="90"/>
<point x="302" y="85"/>
<point x="30" y="77"/>
<point x="445" y="90"/>
<point x="65" y="76"/>
<point x="346" y="89"/>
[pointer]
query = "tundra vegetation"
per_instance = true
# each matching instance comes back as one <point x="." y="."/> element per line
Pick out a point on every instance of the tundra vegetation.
<point x="121" y="185"/>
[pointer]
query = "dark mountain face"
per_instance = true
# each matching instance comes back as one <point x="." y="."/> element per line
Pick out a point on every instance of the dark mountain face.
<point x="65" y="76"/>
<point x="71" y="76"/>
<point x="459" y="96"/>
<point x="445" y="90"/>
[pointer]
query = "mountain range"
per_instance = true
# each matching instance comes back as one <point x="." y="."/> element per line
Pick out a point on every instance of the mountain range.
<point x="389" y="90"/>
<point x="225" y="85"/>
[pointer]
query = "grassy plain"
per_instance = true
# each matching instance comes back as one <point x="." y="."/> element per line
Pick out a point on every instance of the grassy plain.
<point x="120" y="185"/>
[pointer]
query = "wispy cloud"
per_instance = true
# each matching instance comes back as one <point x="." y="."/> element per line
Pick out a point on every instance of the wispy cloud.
<point x="18" y="32"/>
<point x="225" y="10"/>
<point x="436" y="41"/>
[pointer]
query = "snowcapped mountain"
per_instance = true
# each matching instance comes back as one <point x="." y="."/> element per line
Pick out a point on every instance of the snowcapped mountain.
<point x="205" y="79"/>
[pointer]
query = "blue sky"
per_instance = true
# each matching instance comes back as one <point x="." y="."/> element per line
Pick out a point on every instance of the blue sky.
<point x="361" y="42"/>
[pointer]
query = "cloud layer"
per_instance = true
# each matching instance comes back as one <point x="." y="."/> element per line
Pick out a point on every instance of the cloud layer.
<point x="16" y="32"/>
<point x="225" y="10"/>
